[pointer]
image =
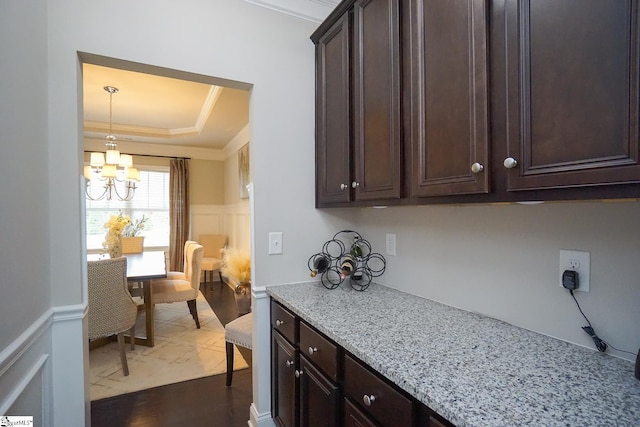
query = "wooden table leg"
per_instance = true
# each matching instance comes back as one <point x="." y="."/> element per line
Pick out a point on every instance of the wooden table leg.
<point x="149" y="306"/>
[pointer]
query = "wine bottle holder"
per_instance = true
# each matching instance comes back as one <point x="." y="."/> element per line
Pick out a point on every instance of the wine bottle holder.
<point x="328" y="263"/>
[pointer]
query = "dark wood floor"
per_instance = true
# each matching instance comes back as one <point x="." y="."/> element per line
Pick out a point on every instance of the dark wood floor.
<point x="200" y="402"/>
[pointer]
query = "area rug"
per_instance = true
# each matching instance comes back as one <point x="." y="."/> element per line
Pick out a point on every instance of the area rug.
<point x="181" y="353"/>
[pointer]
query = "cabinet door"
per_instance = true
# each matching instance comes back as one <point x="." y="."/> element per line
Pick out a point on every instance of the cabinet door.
<point x="333" y="100"/>
<point x="353" y="417"/>
<point x="283" y="382"/>
<point x="572" y="92"/>
<point x="376" y="104"/>
<point x="449" y="101"/>
<point x="319" y="398"/>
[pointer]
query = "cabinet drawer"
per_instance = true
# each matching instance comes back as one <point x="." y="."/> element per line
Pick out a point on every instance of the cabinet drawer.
<point x="284" y="322"/>
<point x="386" y="405"/>
<point x="320" y="350"/>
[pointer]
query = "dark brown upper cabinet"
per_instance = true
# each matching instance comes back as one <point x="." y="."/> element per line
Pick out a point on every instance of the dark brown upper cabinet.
<point x="333" y="121"/>
<point x="358" y="104"/>
<point x="377" y="125"/>
<point x="449" y="98"/>
<point x="572" y="93"/>
<point x="477" y="101"/>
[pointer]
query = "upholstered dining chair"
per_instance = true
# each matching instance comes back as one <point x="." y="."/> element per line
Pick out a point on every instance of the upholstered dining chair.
<point x="111" y="308"/>
<point x="237" y="332"/>
<point x="185" y="264"/>
<point x="178" y="289"/>
<point x="212" y="260"/>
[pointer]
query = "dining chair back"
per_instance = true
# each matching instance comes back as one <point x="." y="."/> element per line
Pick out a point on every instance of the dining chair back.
<point x="185" y="288"/>
<point x="185" y="263"/>
<point x="212" y="260"/>
<point x="112" y="311"/>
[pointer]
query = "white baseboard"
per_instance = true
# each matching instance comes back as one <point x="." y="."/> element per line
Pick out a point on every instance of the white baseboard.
<point x="259" y="420"/>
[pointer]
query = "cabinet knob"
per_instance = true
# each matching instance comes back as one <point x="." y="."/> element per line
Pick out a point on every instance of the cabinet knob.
<point x="510" y="163"/>
<point x="312" y="350"/>
<point x="368" y="400"/>
<point x="289" y="363"/>
<point x="355" y="184"/>
<point x="298" y="373"/>
<point x="279" y="322"/>
<point x="343" y="186"/>
<point x="477" y="167"/>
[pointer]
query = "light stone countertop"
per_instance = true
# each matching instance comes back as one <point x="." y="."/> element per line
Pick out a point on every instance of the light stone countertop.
<point x="473" y="370"/>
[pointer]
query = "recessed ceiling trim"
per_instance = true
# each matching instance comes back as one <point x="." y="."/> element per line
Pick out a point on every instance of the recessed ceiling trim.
<point x="207" y="107"/>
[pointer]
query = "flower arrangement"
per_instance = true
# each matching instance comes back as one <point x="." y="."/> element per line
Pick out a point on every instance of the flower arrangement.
<point x="133" y="228"/>
<point x="236" y="264"/>
<point x="120" y="226"/>
<point x="115" y="226"/>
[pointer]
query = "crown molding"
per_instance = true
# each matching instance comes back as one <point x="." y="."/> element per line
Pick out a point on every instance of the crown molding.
<point x="310" y="10"/>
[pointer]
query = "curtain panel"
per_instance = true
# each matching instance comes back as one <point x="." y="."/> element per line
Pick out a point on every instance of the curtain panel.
<point x="178" y="212"/>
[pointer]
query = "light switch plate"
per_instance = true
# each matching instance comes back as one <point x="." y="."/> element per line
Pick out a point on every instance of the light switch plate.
<point x="275" y="243"/>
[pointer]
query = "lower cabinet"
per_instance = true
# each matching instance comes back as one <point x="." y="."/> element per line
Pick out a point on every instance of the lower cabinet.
<point x="315" y="382"/>
<point x="319" y="397"/>
<point x="283" y="382"/>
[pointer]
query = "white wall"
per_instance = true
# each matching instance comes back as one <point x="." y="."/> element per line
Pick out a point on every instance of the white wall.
<point x="235" y="40"/>
<point x="25" y="297"/>
<point x="503" y="261"/>
<point x="228" y="39"/>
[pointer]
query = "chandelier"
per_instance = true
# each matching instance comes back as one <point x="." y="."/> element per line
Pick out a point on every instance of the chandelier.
<point x="111" y="168"/>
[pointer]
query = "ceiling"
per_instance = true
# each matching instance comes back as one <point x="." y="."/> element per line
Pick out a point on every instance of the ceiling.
<point x="162" y="110"/>
<point x="173" y="113"/>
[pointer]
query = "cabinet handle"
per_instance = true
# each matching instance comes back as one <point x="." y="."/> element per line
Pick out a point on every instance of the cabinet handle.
<point x="279" y="322"/>
<point x="298" y="373"/>
<point x="289" y="363"/>
<point x="355" y="184"/>
<point x="510" y="163"/>
<point x="312" y="350"/>
<point x="477" y="167"/>
<point x="368" y="400"/>
<point x="343" y="186"/>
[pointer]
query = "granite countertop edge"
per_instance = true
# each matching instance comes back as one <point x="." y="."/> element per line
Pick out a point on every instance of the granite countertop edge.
<point x="471" y="369"/>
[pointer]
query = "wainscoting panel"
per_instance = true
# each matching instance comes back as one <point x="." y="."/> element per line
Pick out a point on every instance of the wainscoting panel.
<point x="25" y="373"/>
<point x="231" y="220"/>
<point x="206" y="219"/>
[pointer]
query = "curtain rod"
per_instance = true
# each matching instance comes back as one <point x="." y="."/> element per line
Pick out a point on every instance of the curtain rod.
<point x="151" y="155"/>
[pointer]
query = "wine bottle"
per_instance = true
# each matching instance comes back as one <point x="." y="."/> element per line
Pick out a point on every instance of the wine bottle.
<point x="347" y="266"/>
<point x="320" y="265"/>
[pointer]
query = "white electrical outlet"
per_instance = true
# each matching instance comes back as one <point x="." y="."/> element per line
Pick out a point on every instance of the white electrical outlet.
<point x="275" y="243"/>
<point x="576" y="261"/>
<point x="391" y="244"/>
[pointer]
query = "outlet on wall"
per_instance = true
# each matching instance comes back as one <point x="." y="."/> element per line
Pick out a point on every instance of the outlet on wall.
<point x="577" y="261"/>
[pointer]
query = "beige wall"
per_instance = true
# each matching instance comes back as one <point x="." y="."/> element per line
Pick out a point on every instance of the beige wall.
<point x="231" y="181"/>
<point x="206" y="182"/>
<point x="206" y="177"/>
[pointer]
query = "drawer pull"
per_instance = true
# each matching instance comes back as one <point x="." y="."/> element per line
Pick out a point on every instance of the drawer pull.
<point x="279" y="322"/>
<point x="289" y="363"/>
<point x="313" y="350"/>
<point x="298" y="373"/>
<point x="368" y="400"/>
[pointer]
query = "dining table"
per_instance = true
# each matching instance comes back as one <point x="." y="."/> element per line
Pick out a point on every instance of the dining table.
<point x="143" y="267"/>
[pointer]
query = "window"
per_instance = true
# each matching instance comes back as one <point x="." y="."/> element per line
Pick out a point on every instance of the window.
<point x="151" y="200"/>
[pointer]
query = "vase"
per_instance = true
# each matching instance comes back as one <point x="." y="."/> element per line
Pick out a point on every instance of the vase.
<point x="132" y="245"/>
<point x="115" y="250"/>
<point x="243" y="297"/>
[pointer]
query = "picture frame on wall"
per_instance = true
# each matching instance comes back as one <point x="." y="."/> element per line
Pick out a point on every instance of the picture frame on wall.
<point x="244" y="172"/>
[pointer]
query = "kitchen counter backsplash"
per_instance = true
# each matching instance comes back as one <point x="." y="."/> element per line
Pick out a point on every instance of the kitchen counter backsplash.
<point x="473" y="370"/>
